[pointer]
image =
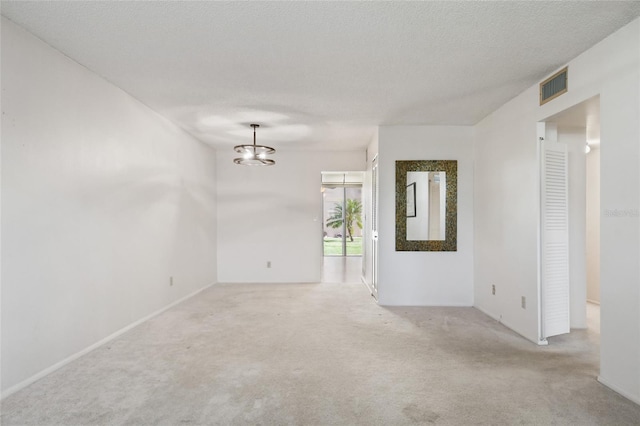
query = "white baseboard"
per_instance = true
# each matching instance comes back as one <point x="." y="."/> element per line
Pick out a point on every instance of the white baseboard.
<point x="634" y="398"/>
<point x="506" y="324"/>
<point x="23" y="384"/>
<point x="430" y="305"/>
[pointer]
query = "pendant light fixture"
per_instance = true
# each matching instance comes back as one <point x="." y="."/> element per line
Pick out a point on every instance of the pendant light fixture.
<point x="254" y="155"/>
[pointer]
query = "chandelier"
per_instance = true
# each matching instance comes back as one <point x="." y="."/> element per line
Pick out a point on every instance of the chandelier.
<point x="254" y="155"/>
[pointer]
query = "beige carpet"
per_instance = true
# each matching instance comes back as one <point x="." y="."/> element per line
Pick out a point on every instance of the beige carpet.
<point x="323" y="354"/>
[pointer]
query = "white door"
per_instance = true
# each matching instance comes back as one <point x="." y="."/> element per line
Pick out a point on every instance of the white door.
<point x="374" y="226"/>
<point x="554" y="256"/>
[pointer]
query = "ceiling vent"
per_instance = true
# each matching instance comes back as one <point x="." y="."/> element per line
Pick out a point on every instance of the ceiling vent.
<point x="554" y="86"/>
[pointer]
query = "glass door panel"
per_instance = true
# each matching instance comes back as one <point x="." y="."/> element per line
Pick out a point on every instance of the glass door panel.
<point x="342" y="220"/>
<point x="333" y="202"/>
<point x="353" y="222"/>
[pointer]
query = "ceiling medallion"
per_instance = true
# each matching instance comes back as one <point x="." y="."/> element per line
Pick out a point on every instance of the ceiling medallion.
<point x="254" y="155"/>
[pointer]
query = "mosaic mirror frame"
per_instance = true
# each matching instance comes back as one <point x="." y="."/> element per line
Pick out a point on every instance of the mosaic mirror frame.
<point x="450" y="167"/>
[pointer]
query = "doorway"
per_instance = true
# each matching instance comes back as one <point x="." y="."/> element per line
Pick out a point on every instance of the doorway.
<point x="342" y="223"/>
<point x="578" y="129"/>
<point x="342" y="213"/>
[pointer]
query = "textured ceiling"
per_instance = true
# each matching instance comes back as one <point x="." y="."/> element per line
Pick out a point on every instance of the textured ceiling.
<point x="320" y="75"/>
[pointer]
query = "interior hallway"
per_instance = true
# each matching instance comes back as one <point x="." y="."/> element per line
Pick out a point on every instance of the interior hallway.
<point x="323" y="354"/>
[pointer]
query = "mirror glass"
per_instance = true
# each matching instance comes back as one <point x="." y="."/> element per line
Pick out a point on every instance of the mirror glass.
<point x="426" y="205"/>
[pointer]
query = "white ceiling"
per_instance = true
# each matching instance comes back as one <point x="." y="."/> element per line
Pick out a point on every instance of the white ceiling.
<point x="320" y="75"/>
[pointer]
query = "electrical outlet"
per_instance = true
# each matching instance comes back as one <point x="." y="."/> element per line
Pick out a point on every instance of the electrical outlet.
<point x="170" y="281"/>
<point x="493" y="289"/>
<point x="268" y="264"/>
<point x="524" y="302"/>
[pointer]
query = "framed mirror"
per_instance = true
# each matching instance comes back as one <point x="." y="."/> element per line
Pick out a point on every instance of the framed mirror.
<point x="426" y="205"/>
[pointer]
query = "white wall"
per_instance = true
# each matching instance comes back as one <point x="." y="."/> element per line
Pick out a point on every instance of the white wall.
<point x="506" y="215"/>
<point x="506" y="223"/>
<point x="274" y="214"/>
<point x="593" y="225"/>
<point x="425" y="278"/>
<point x="103" y="201"/>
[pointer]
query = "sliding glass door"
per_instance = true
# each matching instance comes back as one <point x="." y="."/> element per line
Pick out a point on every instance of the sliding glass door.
<point x="342" y="219"/>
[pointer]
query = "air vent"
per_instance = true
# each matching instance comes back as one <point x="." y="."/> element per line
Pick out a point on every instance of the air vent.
<point x="554" y="86"/>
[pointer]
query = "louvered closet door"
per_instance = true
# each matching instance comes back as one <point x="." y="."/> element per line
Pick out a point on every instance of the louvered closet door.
<point x="555" y="240"/>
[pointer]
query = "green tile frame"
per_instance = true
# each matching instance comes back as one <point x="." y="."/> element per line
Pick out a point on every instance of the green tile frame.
<point x="450" y="167"/>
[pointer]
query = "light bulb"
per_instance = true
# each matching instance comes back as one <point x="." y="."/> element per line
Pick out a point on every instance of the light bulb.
<point x="247" y="155"/>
